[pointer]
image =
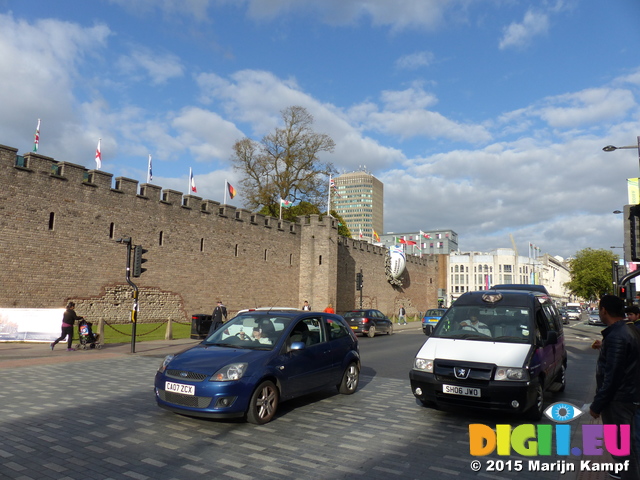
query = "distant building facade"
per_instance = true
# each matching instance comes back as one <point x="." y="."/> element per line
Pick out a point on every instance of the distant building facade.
<point x="360" y="203"/>
<point x="474" y="271"/>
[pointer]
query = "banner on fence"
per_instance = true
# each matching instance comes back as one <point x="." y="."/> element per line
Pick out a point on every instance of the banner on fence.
<point x="30" y="324"/>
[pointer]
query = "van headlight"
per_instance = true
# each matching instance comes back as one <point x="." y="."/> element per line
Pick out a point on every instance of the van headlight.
<point x="231" y="372"/>
<point x="423" y="364"/>
<point x="508" y="373"/>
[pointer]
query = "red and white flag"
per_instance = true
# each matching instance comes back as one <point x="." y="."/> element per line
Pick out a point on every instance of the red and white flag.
<point x="192" y="183"/>
<point x="36" y="140"/>
<point x="98" y="156"/>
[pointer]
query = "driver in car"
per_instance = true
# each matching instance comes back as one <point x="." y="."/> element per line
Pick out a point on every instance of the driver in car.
<point x="475" y="325"/>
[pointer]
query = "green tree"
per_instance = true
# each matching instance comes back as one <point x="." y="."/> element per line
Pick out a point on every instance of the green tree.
<point x="285" y="164"/>
<point x="290" y="213"/>
<point x="591" y="273"/>
<point x="343" y="230"/>
<point x="301" y="209"/>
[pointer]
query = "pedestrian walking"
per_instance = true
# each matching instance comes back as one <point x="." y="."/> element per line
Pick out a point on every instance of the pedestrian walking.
<point x="402" y="316"/>
<point x="306" y="306"/>
<point x="68" y="319"/>
<point x="218" y="317"/>
<point x="618" y="375"/>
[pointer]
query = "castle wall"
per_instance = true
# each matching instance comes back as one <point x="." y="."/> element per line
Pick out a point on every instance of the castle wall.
<point x="59" y="226"/>
<point x="419" y="280"/>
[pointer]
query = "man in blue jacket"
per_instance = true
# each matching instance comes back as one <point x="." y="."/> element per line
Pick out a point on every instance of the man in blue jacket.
<point x="617" y="374"/>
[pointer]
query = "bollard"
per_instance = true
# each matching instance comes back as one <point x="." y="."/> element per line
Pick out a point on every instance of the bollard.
<point x="169" y="333"/>
<point x="101" y="331"/>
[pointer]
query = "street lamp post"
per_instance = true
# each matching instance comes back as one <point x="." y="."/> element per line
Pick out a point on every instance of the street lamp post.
<point x="610" y="148"/>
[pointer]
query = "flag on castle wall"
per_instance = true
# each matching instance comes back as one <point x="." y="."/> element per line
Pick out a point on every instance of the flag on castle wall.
<point x="36" y="140"/>
<point x="98" y="156"/>
<point x="376" y="236"/>
<point x="232" y="191"/>
<point x="285" y="203"/>
<point x="192" y="183"/>
<point x="149" y="172"/>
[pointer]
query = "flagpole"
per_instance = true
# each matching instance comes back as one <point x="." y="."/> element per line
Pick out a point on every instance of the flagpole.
<point x="280" y="208"/>
<point x="189" y="182"/>
<point x="329" y="198"/>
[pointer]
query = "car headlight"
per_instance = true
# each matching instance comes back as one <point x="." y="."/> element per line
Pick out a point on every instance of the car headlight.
<point x="423" y="364"/>
<point x="228" y="373"/>
<point x="165" y="363"/>
<point x="507" y="373"/>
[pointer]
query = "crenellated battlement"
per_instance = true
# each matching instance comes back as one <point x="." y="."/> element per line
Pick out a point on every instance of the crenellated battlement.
<point x="76" y="175"/>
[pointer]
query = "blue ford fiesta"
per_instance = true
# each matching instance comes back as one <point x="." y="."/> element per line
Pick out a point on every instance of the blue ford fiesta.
<point x="256" y="360"/>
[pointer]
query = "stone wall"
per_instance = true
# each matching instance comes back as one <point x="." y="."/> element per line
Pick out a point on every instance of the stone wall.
<point x="59" y="226"/>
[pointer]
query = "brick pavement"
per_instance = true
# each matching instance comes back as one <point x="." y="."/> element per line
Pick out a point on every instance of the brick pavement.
<point x="73" y="415"/>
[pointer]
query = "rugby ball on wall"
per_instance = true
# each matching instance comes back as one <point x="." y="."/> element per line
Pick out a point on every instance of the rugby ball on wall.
<point x="397" y="260"/>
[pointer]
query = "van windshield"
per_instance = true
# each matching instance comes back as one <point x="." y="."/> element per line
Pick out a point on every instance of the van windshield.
<point x="498" y="324"/>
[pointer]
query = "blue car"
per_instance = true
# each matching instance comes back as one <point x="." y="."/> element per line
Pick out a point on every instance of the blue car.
<point x="256" y="360"/>
<point x="431" y="318"/>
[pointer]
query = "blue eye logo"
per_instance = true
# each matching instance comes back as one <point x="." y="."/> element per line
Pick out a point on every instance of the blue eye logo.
<point x="562" y="412"/>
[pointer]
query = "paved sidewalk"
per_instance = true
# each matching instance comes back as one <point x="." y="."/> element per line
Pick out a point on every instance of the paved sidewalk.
<point x="20" y="354"/>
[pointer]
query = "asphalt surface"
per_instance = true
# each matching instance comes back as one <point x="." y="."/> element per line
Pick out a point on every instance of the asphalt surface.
<point x="91" y="414"/>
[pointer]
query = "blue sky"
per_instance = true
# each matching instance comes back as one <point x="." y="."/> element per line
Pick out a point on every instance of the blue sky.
<point x="487" y="117"/>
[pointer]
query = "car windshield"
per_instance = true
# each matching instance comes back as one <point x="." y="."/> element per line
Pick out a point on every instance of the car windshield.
<point x="254" y="330"/>
<point x="434" y="312"/>
<point x="494" y="324"/>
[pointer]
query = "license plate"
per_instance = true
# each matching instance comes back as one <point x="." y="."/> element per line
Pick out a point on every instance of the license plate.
<point x="180" y="388"/>
<point x="466" y="391"/>
<point x="353" y="327"/>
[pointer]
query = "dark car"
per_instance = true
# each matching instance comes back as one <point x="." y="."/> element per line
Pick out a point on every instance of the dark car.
<point x="368" y="322"/>
<point x="564" y="315"/>
<point x="256" y="360"/>
<point x="431" y="318"/>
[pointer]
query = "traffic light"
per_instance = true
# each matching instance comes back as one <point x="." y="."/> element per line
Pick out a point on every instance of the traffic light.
<point x="623" y="292"/>
<point x="359" y="281"/>
<point x="632" y="232"/>
<point x="138" y="260"/>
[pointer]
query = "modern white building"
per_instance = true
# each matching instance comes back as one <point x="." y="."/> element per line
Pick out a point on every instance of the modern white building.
<point x="473" y="271"/>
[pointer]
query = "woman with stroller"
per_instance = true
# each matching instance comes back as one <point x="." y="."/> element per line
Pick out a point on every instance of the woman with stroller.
<point x="68" y="319"/>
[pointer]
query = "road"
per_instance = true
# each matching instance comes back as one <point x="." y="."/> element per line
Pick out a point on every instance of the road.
<point x="98" y="419"/>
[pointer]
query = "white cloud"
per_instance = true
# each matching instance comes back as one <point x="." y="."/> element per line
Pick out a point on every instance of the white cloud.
<point x="39" y="72"/>
<point x="159" y="68"/>
<point x="587" y="107"/>
<point x="425" y="14"/>
<point x="413" y="61"/>
<point x="519" y="35"/>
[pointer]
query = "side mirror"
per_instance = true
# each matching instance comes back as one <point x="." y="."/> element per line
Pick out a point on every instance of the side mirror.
<point x="297" y="346"/>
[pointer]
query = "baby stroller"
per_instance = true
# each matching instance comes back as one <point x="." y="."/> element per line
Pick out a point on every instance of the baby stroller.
<point x="88" y="339"/>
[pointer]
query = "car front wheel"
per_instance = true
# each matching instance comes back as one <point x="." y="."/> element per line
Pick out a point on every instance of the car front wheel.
<point x="536" y="410"/>
<point x="263" y="404"/>
<point x="350" y="379"/>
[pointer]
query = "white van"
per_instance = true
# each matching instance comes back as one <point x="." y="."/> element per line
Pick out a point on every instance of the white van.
<point x="496" y="350"/>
